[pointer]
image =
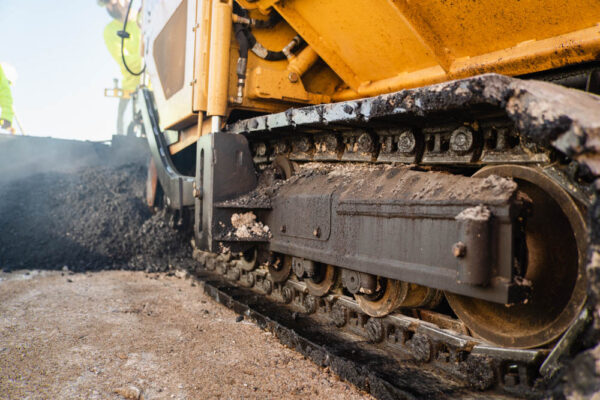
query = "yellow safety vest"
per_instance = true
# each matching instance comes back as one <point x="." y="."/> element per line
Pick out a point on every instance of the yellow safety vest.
<point x="6" y="100"/>
<point x="131" y="51"/>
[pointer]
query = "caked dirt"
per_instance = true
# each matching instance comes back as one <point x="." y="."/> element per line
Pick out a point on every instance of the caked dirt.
<point x="123" y="334"/>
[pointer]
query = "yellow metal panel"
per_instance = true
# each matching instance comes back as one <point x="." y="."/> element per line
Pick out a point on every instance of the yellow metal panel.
<point x="201" y="53"/>
<point x="532" y="56"/>
<point x="218" y="70"/>
<point x="471" y="28"/>
<point x="360" y="40"/>
<point x="380" y="46"/>
<point x="176" y="111"/>
<point x="272" y="84"/>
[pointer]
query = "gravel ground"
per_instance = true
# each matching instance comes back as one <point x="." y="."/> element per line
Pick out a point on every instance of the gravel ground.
<point x="116" y="334"/>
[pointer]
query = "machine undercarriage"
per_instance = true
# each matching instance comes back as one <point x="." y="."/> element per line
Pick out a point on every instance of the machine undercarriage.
<point x="449" y="222"/>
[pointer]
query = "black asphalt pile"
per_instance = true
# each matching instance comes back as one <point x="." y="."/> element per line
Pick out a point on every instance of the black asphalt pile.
<point x="90" y="218"/>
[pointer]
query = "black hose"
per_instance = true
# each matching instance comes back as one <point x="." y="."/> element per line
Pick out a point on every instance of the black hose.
<point x="267" y="54"/>
<point x="273" y="20"/>
<point x="125" y="35"/>
<point x="242" y="40"/>
<point x="241" y="32"/>
<point x="260" y="51"/>
<point x="246" y="38"/>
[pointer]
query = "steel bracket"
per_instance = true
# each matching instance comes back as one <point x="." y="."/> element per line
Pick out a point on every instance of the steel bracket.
<point x="177" y="187"/>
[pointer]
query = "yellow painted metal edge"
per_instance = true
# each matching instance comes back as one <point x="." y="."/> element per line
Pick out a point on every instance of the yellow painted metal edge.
<point x="202" y="53"/>
<point x="532" y="56"/>
<point x="218" y="65"/>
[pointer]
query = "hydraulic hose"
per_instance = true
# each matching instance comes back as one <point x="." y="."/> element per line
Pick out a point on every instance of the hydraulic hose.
<point x="242" y="32"/>
<point x="125" y="35"/>
<point x="241" y="35"/>
<point x="260" y="51"/>
<point x="242" y="19"/>
<point x="246" y="41"/>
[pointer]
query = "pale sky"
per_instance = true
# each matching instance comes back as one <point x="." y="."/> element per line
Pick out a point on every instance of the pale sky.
<point x="63" y="66"/>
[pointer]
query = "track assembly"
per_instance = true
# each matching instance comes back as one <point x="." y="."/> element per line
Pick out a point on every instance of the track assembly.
<point x="379" y="354"/>
<point x="482" y="241"/>
<point x="448" y="225"/>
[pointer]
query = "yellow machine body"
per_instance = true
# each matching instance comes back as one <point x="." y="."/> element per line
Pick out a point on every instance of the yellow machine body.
<point x="382" y="46"/>
<point x="365" y="48"/>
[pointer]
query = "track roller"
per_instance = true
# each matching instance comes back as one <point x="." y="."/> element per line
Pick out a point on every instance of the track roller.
<point x="322" y="281"/>
<point x="379" y="296"/>
<point x="280" y="267"/>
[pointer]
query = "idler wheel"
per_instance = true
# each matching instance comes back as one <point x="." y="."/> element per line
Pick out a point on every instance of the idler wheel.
<point x="280" y="267"/>
<point x="555" y="235"/>
<point x="323" y="280"/>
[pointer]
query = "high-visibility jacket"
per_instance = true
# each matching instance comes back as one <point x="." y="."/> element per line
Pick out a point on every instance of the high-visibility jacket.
<point x="6" y="100"/>
<point x="131" y="51"/>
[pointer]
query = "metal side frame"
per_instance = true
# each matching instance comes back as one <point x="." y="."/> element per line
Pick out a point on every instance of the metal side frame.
<point x="178" y="188"/>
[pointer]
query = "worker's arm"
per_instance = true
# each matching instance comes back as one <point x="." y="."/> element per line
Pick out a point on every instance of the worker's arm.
<point x="132" y="51"/>
<point x="6" y="100"/>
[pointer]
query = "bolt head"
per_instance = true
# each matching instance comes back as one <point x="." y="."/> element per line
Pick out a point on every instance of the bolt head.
<point x="406" y="142"/>
<point x="461" y="140"/>
<point x="459" y="249"/>
<point x="365" y="142"/>
<point x="293" y="77"/>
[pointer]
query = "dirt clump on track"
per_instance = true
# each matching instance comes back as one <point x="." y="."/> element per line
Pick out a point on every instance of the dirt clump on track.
<point x="88" y="219"/>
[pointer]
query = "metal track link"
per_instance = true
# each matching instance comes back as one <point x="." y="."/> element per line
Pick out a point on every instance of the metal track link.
<point x="467" y="359"/>
<point x="488" y="140"/>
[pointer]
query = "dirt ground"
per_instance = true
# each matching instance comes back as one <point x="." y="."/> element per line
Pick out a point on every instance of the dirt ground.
<point x="124" y="334"/>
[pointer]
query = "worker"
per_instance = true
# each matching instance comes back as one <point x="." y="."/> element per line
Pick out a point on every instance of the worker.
<point x="117" y="9"/>
<point x="6" y="102"/>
